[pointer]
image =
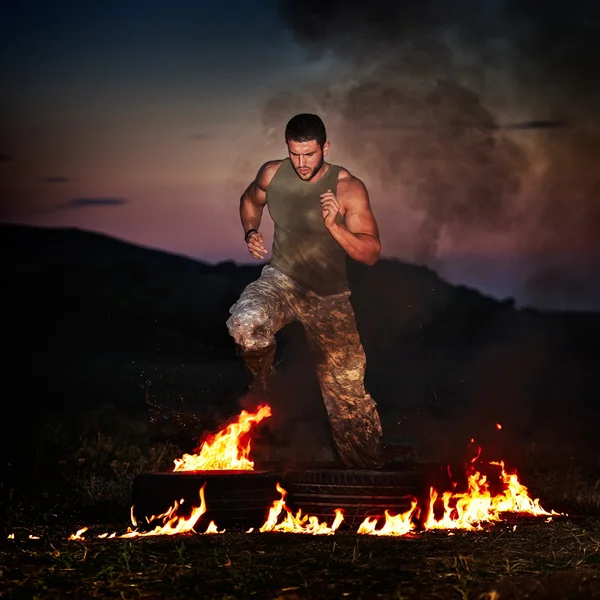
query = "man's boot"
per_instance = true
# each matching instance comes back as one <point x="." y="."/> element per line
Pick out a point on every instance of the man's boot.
<point x="260" y="365"/>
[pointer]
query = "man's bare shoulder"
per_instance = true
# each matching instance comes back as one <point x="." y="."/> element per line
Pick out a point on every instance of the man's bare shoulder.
<point x="348" y="183"/>
<point x="267" y="172"/>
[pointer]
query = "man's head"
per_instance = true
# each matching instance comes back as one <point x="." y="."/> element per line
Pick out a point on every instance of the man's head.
<point x="307" y="144"/>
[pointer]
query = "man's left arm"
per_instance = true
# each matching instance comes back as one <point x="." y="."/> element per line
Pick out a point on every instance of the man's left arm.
<point x="359" y="235"/>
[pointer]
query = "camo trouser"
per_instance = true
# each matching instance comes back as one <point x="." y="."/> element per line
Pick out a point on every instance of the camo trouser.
<point x="274" y="300"/>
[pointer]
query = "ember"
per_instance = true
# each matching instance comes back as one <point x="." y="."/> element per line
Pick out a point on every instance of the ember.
<point x="227" y="449"/>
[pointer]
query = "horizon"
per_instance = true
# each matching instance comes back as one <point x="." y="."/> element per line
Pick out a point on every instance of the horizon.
<point x="257" y="264"/>
<point x="477" y="142"/>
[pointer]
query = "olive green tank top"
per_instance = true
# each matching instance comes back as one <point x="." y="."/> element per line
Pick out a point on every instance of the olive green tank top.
<point x="303" y="248"/>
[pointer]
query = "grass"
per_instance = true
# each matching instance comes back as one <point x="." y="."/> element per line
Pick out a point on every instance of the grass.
<point x="83" y="474"/>
<point x="516" y="559"/>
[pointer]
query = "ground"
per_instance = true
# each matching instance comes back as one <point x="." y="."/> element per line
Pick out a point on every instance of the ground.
<point x="516" y="559"/>
<point x="78" y="471"/>
<point x="534" y="558"/>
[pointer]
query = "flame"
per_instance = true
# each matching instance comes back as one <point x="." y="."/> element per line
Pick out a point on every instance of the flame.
<point x="469" y="510"/>
<point x="400" y="524"/>
<point x="298" y="523"/>
<point x="227" y="449"/>
<point x="172" y="523"/>
<point x="79" y="534"/>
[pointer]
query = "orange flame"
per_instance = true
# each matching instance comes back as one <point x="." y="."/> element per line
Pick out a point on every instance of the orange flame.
<point x="172" y="523"/>
<point x="227" y="449"/>
<point x="469" y="510"/>
<point x="400" y="524"/>
<point x="298" y="523"/>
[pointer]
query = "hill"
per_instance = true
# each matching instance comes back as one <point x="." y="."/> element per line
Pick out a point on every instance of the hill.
<point x="91" y="319"/>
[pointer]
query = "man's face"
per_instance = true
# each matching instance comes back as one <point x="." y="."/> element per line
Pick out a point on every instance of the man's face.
<point x="307" y="157"/>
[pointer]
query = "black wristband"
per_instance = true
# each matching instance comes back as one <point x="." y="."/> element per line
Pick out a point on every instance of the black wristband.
<point x="250" y="231"/>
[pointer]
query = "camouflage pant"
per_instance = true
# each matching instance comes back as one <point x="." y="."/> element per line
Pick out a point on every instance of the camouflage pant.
<point x="274" y="300"/>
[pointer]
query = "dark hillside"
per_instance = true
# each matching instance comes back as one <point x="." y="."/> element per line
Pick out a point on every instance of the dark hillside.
<point x="90" y="320"/>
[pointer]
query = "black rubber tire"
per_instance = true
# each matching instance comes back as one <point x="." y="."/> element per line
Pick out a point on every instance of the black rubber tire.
<point x="234" y="499"/>
<point x="359" y="494"/>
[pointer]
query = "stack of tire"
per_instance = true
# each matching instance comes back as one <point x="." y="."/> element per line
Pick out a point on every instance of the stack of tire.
<point x="241" y="499"/>
<point x="359" y="494"/>
<point x="234" y="499"/>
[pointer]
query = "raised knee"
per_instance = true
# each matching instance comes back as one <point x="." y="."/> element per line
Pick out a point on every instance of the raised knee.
<point x="249" y="328"/>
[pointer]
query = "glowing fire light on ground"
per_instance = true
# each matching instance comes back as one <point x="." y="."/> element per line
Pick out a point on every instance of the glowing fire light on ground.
<point x="400" y="524"/>
<point x="172" y="523"/>
<point x="298" y="523"/>
<point x="228" y="449"/>
<point x="466" y="510"/>
<point x="476" y="506"/>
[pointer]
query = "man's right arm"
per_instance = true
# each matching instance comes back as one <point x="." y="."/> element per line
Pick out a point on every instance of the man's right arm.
<point x="252" y="203"/>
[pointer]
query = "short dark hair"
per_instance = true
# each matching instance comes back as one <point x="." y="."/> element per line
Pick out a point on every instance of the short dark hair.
<point x="305" y="127"/>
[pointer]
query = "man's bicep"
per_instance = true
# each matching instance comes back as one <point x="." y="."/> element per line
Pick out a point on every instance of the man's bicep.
<point x="259" y="195"/>
<point x="256" y="192"/>
<point x="359" y="217"/>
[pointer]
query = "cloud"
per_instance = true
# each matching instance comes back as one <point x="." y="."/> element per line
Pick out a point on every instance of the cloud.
<point x="85" y="202"/>
<point x="55" y="179"/>
<point x="201" y="136"/>
<point x="463" y="118"/>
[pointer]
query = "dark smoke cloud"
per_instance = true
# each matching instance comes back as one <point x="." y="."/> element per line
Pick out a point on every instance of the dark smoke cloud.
<point x="464" y="117"/>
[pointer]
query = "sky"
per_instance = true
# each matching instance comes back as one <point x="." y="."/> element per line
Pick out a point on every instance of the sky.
<point x="472" y="123"/>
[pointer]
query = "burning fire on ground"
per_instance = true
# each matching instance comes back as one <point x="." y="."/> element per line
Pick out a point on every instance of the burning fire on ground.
<point x="477" y="506"/>
<point x="298" y="523"/>
<point x="172" y="523"/>
<point x="229" y="449"/>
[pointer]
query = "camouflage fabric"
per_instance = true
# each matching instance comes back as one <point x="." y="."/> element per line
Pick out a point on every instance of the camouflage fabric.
<point x="274" y="300"/>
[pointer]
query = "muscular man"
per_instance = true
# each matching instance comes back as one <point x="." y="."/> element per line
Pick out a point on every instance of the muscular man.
<point x="322" y="215"/>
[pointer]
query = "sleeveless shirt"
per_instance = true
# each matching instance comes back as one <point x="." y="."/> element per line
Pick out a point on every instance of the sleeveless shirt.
<point x="303" y="248"/>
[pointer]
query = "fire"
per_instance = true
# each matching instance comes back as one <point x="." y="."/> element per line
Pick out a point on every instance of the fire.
<point x="227" y="449"/>
<point x="172" y="523"/>
<point x="476" y="506"/>
<point x="400" y="524"/>
<point x="298" y="523"/>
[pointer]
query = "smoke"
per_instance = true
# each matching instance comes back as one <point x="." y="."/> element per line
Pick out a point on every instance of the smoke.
<point x="418" y="107"/>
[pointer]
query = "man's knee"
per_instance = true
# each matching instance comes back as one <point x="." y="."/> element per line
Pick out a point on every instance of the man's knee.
<point x="248" y="326"/>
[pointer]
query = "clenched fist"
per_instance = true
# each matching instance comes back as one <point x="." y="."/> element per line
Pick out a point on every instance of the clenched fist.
<point x="256" y="245"/>
<point x="329" y="208"/>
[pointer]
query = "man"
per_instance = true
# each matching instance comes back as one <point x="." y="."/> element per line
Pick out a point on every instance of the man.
<point x="322" y="215"/>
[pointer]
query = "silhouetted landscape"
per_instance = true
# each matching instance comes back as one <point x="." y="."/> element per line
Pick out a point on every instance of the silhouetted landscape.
<point x="94" y="322"/>
<point x="117" y="360"/>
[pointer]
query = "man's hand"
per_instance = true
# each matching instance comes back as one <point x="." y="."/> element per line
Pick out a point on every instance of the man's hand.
<point x="329" y="208"/>
<point x="256" y="245"/>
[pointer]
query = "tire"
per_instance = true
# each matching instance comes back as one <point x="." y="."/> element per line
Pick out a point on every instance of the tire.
<point x="359" y="494"/>
<point x="234" y="499"/>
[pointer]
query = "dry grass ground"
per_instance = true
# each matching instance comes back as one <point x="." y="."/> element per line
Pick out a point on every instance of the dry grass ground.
<point x="520" y="558"/>
<point x="81" y="473"/>
<point x="517" y="559"/>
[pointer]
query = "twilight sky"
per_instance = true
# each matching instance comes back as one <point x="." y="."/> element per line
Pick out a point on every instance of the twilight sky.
<point x="474" y="125"/>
